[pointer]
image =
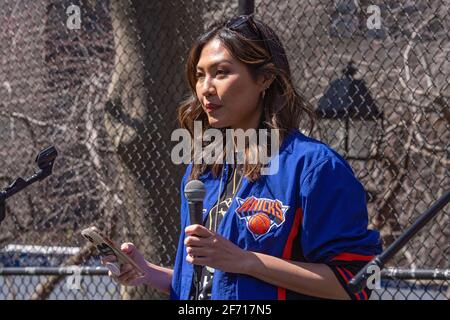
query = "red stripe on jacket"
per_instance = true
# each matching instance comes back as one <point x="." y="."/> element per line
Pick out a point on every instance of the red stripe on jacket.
<point x="346" y="256"/>
<point x="344" y="272"/>
<point x="363" y="292"/>
<point x="287" y="252"/>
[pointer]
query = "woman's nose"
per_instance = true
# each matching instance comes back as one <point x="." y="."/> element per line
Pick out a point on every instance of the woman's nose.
<point x="208" y="87"/>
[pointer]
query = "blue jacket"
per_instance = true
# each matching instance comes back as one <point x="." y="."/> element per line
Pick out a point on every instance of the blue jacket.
<point x="317" y="210"/>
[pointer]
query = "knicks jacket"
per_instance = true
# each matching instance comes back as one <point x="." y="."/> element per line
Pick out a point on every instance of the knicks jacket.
<point x="317" y="213"/>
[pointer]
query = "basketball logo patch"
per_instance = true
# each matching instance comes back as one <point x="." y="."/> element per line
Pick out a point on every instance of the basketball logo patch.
<point x="261" y="215"/>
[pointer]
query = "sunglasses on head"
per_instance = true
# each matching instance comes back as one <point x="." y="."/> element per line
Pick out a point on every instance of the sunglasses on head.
<point x="244" y="24"/>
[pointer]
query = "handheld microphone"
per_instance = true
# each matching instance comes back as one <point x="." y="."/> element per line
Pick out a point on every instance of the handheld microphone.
<point x="195" y="193"/>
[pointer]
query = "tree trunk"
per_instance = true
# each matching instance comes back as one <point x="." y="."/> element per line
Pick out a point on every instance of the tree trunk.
<point x="150" y="39"/>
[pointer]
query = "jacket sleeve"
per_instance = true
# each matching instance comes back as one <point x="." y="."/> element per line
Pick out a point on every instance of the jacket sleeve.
<point x="334" y="227"/>
<point x="177" y="283"/>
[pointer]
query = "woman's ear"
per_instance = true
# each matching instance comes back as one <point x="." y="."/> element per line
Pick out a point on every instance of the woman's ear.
<point x="265" y="81"/>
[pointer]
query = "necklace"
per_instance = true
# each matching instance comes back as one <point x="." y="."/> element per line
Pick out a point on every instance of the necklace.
<point x="228" y="201"/>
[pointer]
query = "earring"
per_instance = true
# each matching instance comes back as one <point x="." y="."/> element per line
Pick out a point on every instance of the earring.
<point x="263" y="94"/>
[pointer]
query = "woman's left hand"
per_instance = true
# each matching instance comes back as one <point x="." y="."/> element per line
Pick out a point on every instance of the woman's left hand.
<point x="206" y="248"/>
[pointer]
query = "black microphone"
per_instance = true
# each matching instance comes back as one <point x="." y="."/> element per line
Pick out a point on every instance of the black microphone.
<point x="195" y="193"/>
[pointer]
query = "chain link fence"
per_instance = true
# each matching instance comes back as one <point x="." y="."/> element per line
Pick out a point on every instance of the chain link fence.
<point x="101" y="80"/>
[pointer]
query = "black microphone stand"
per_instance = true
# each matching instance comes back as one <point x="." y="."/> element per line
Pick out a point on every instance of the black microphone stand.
<point x="359" y="282"/>
<point x="45" y="161"/>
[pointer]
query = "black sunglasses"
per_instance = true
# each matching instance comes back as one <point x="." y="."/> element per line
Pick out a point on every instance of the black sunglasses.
<point x="244" y="24"/>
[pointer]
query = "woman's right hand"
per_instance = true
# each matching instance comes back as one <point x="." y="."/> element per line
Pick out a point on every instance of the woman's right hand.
<point x="128" y="275"/>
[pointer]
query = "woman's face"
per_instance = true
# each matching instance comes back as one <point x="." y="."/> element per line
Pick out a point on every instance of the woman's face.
<point x="229" y="95"/>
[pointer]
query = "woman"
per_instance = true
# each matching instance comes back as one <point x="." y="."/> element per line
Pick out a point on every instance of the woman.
<point x="298" y="233"/>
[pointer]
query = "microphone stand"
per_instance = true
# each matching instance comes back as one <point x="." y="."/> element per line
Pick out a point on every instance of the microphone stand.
<point x="359" y="282"/>
<point x="45" y="160"/>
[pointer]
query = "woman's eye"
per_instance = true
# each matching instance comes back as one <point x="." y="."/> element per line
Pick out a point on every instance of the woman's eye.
<point x="200" y="75"/>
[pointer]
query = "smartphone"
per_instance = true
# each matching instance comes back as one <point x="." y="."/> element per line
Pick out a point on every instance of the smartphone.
<point x="107" y="247"/>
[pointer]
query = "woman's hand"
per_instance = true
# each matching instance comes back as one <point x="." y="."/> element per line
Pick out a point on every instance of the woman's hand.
<point x="207" y="248"/>
<point x="128" y="275"/>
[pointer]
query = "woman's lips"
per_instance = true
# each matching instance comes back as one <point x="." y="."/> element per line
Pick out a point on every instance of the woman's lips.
<point x="211" y="107"/>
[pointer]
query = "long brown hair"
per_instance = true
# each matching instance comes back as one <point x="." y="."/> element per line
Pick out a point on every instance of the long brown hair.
<point x="283" y="108"/>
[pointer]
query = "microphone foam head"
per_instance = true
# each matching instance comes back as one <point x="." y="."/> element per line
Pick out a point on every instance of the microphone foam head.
<point x="194" y="190"/>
